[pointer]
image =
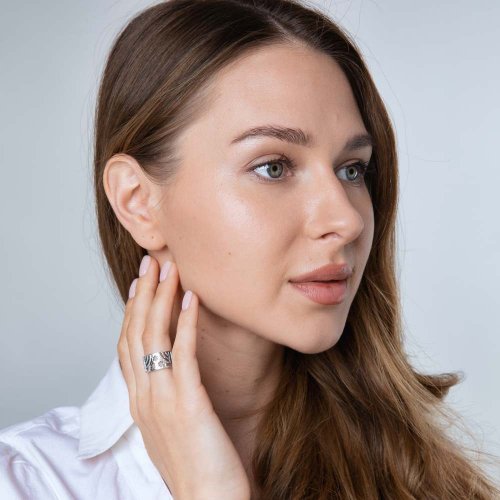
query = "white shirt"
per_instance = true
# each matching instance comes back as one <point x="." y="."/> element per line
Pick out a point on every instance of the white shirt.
<point x="95" y="451"/>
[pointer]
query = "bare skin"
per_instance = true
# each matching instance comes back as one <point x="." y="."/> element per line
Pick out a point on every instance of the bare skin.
<point x="237" y="240"/>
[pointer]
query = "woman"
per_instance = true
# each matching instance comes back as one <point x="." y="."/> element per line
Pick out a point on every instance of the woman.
<point x="243" y="156"/>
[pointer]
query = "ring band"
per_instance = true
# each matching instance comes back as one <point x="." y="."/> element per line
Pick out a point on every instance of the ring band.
<point x="157" y="361"/>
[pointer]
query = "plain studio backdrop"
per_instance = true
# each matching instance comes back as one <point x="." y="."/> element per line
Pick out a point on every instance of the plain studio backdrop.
<point x="437" y="67"/>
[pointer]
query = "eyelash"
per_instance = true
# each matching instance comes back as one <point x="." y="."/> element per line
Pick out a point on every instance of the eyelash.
<point x="363" y="167"/>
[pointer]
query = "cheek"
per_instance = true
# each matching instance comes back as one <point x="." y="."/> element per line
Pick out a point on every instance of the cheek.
<point x="224" y="245"/>
<point x="363" y="245"/>
<point x="367" y="236"/>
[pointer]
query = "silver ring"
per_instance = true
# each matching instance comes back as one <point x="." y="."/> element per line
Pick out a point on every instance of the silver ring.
<point x="157" y="361"/>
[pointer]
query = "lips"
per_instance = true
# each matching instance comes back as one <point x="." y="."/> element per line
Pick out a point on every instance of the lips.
<point x="327" y="273"/>
<point x="325" y="292"/>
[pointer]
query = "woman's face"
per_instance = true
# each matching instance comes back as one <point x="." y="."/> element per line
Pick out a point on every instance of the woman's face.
<point x="237" y="240"/>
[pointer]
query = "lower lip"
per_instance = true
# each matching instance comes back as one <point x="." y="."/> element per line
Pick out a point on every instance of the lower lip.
<point x="329" y="293"/>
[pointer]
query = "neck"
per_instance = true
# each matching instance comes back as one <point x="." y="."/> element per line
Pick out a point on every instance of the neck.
<point x="240" y="371"/>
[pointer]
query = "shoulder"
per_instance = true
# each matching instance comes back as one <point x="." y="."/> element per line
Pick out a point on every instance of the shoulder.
<point x="58" y="429"/>
<point x="57" y="422"/>
<point x="19" y="477"/>
<point x="39" y="459"/>
<point x="33" y="453"/>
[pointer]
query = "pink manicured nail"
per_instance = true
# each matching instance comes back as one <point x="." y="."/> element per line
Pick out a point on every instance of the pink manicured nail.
<point x="144" y="265"/>
<point x="186" y="300"/>
<point x="131" y="292"/>
<point x="164" y="270"/>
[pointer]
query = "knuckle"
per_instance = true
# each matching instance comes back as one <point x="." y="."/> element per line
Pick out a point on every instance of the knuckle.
<point x="146" y="286"/>
<point x="147" y="337"/>
<point x="122" y="346"/>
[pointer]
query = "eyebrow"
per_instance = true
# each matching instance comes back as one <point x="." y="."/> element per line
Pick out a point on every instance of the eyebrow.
<point x="299" y="137"/>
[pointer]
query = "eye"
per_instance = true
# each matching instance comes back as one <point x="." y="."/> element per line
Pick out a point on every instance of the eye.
<point x="358" y="170"/>
<point x="355" y="171"/>
<point x="275" y="167"/>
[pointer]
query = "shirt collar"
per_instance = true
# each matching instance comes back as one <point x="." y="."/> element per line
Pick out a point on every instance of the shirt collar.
<point x="105" y="416"/>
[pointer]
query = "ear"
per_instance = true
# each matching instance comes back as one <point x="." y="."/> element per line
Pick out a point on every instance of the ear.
<point x="133" y="198"/>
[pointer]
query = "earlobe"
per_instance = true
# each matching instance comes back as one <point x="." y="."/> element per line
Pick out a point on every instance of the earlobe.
<point x="129" y="191"/>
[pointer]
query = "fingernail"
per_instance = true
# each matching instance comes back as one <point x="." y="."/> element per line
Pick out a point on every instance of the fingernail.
<point x="186" y="300"/>
<point x="164" y="270"/>
<point x="144" y="265"/>
<point x="131" y="292"/>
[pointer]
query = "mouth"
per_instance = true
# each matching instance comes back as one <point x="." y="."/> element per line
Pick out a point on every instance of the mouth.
<point x="329" y="272"/>
<point x="321" y="281"/>
<point x="330" y="292"/>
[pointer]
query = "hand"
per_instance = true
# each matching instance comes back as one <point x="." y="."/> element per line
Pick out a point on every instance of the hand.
<point x="183" y="435"/>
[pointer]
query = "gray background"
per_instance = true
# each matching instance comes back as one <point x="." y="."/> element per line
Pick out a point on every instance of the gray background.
<point x="437" y="67"/>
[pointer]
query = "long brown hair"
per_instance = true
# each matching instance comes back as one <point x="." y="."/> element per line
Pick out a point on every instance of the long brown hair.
<point x="356" y="421"/>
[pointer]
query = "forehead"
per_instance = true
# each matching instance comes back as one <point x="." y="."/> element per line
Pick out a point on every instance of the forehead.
<point x="289" y="84"/>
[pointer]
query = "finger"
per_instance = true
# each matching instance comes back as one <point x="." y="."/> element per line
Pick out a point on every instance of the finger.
<point x="144" y="293"/>
<point x="122" y="347"/>
<point x="124" y="358"/>
<point x="156" y="333"/>
<point x="185" y="363"/>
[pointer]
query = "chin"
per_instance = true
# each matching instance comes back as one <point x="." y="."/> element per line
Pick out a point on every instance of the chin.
<point x="314" y="344"/>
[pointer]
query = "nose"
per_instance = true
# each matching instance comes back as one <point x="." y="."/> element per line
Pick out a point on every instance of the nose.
<point x="334" y="208"/>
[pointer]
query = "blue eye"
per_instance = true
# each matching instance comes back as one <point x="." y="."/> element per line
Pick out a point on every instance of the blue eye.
<point x="276" y="166"/>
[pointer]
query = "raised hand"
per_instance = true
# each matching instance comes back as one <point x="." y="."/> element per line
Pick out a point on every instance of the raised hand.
<point x="183" y="435"/>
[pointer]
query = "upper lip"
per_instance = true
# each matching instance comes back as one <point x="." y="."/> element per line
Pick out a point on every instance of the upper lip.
<point x="329" y="272"/>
